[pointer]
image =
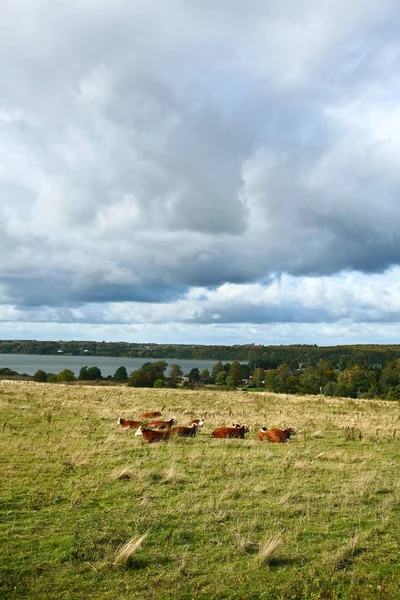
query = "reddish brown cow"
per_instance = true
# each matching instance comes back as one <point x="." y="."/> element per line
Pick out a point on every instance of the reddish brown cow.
<point x="185" y="431"/>
<point x="162" y="424"/>
<point x="230" y="432"/>
<point x="198" y="422"/>
<point x="150" y="415"/>
<point x="131" y="424"/>
<point x="278" y="436"/>
<point x="153" y="435"/>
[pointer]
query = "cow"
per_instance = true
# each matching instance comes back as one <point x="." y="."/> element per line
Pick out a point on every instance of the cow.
<point x="279" y="436"/>
<point x="185" y="431"/>
<point x="162" y="424"/>
<point x="153" y="435"/>
<point x="150" y="415"/>
<point x="230" y="432"/>
<point x="198" y="422"/>
<point x="128" y="424"/>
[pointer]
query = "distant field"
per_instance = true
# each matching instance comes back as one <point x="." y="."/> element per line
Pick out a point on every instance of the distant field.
<point x="75" y="488"/>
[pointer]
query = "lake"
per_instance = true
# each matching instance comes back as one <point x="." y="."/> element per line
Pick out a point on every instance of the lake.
<point x="30" y="363"/>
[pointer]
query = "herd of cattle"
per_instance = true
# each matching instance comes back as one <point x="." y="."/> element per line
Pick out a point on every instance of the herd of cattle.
<point x="153" y="429"/>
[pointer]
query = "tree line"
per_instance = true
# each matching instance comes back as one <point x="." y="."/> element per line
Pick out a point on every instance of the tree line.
<point x="353" y="381"/>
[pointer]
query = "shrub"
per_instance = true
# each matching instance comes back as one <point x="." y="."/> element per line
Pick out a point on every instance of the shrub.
<point x="40" y="376"/>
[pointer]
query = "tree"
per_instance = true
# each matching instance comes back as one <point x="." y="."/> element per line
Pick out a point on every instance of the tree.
<point x="394" y="393"/>
<point x="220" y="378"/>
<point x="140" y="378"/>
<point x="66" y="376"/>
<point x="159" y="383"/>
<point x="330" y="389"/>
<point x="121" y="374"/>
<point x="194" y="375"/>
<point x="157" y="365"/>
<point x="205" y="376"/>
<point x="83" y="374"/>
<point x="230" y="381"/>
<point x="244" y="371"/>
<point x="175" y="374"/>
<point x="94" y="373"/>
<point x="258" y="378"/>
<point x="235" y="374"/>
<point x="40" y="376"/>
<point x="217" y="368"/>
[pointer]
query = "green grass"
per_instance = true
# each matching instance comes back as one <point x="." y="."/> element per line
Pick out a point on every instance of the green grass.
<point x="75" y="488"/>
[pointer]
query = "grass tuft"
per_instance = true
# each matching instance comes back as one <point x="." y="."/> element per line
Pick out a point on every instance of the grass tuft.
<point x="124" y="473"/>
<point x="172" y="475"/>
<point x="268" y="548"/>
<point x="127" y="550"/>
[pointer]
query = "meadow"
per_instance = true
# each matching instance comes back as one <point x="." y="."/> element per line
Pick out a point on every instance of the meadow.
<point x="315" y="518"/>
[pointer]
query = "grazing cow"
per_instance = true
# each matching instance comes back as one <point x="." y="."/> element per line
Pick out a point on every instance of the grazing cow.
<point x="230" y="432"/>
<point x="198" y="422"/>
<point x="162" y="424"/>
<point x="278" y="436"/>
<point x="185" y="431"/>
<point x="131" y="424"/>
<point x="150" y="415"/>
<point x="153" y="435"/>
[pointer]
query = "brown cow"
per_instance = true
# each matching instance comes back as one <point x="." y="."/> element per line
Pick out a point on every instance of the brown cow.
<point x="278" y="436"/>
<point x="150" y="415"/>
<point x="185" y="431"/>
<point x="198" y="422"/>
<point x="162" y="424"/>
<point x="131" y="424"/>
<point x="152" y="435"/>
<point x="230" y="432"/>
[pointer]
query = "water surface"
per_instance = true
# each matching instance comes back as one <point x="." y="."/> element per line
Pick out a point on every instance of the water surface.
<point x="30" y="363"/>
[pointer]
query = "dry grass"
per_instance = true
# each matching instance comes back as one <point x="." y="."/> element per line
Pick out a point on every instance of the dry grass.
<point x="125" y="553"/>
<point x="268" y="547"/>
<point x="125" y="473"/>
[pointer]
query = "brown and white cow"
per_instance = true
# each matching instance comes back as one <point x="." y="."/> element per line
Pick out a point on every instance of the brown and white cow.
<point x="128" y="424"/>
<point x="153" y="435"/>
<point x="198" y="422"/>
<point x="185" y="431"/>
<point x="278" y="436"/>
<point x="150" y="415"/>
<point x="162" y="424"/>
<point x="230" y="432"/>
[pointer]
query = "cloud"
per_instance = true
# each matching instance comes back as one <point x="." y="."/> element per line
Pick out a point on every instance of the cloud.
<point x="151" y="149"/>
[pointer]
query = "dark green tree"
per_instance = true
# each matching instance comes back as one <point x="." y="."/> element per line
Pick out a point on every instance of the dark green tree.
<point x="194" y="375"/>
<point x="83" y="374"/>
<point x="94" y="373"/>
<point x="121" y="374"/>
<point x="40" y="376"/>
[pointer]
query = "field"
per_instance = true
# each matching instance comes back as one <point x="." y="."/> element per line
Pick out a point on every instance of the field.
<point x="317" y="517"/>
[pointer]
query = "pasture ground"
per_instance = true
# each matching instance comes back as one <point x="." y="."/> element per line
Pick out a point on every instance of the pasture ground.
<point x="75" y="488"/>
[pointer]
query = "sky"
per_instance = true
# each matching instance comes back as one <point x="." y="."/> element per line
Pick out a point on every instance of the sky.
<point x="214" y="172"/>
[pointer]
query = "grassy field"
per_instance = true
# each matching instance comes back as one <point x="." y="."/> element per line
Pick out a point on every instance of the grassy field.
<point x="317" y="517"/>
